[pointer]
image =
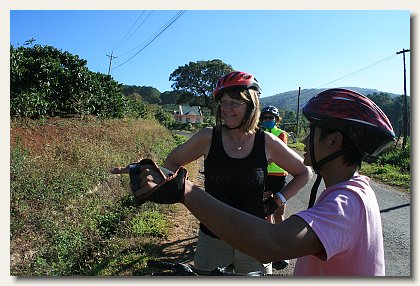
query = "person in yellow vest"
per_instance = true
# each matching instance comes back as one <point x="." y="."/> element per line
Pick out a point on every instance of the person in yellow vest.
<point x="276" y="176"/>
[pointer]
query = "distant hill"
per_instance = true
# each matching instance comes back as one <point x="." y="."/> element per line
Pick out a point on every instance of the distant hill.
<point x="288" y="100"/>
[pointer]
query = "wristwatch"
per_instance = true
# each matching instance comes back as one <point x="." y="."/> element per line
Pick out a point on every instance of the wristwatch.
<point x="281" y="197"/>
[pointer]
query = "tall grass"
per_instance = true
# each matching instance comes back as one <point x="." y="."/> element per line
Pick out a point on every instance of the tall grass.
<point x="69" y="216"/>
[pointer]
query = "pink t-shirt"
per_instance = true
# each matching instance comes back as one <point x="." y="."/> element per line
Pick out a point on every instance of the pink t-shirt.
<point x="346" y="219"/>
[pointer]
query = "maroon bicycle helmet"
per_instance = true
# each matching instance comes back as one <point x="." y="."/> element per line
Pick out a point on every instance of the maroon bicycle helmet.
<point x="235" y="79"/>
<point x="358" y="117"/>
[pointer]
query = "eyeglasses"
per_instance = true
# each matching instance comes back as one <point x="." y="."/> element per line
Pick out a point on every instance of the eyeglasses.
<point x="267" y="117"/>
<point x="231" y="104"/>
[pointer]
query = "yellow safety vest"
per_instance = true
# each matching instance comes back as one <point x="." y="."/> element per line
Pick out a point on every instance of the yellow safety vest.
<point x="273" y="169"/>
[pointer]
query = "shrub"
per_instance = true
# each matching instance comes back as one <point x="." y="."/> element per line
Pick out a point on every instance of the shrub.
<point x="397" y="157"/>
<point x="46" y="81"/>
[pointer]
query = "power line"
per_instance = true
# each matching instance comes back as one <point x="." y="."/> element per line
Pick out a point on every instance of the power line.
<point x="135" y="31"/>
<point x="111" y="57"/>
<point x="292" y="96"/>
<point x="359" y="70"/>
<point x="141" y="24"/>
<point x="362" y="69"/>
<point x="163" y="29"/>
<point x="152" y="38"/>
<point x="120" y="42"/>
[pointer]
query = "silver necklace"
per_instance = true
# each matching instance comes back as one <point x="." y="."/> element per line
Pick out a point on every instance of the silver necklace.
<point x="239" y="145"/>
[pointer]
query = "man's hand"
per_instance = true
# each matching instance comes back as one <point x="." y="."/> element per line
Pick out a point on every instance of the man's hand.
<point x="149" y="183"/>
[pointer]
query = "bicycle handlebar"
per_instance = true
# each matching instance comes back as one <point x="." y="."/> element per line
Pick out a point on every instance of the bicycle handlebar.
<point x="175" y="268"/>
<point x="182" y="269"/>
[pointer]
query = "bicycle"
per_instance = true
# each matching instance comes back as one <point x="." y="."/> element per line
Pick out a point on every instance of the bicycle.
<point x="184" y="269"/>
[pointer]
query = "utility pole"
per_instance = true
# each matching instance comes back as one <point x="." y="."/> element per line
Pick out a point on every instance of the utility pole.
<point x="111" y="57"/>
<point x="405" y="111"/>
<point x="297" y="118"/>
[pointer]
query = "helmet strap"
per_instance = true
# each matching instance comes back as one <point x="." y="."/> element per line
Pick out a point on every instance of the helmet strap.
<point x="317" y="165"/>
<point x="311" y="148"/>
<point x="314" y="191"/>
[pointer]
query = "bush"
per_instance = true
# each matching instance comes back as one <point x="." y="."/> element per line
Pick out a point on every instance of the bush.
<point x="397" y="157"/>
<point x="46" y="81"/>
<point x="136" y="108"/>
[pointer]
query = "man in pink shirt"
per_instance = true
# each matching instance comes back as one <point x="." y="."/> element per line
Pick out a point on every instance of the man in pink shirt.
<point x="340" y="234"/>
<point x="347" y="221"/>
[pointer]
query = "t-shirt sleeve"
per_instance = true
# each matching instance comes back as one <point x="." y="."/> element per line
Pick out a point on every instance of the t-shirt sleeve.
<point x="336" y="220"/>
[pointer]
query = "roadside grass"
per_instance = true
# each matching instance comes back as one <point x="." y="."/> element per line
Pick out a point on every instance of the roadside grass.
<point x="68" y="214"/>
<point x="387" y="174"/>
<point x="392" y="166"/>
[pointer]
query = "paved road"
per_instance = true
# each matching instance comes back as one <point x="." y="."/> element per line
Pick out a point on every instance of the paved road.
<point x="395" y="209"/>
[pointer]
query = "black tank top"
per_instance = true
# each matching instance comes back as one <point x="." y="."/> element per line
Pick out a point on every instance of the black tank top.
<point x="236" y="182"/>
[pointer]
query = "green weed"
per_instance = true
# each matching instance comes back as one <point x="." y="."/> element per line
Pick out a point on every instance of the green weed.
<point x="149" y="223"/>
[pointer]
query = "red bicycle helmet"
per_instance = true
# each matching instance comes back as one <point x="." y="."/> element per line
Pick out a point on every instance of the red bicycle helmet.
<point x="355" y="115"/>
<point x="235" y="79"/>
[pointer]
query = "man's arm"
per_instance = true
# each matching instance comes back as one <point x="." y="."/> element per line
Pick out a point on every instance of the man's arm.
<point x="260" y="239"/>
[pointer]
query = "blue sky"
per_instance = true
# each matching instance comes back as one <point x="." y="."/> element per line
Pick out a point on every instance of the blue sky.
<point x="284" y="49"/>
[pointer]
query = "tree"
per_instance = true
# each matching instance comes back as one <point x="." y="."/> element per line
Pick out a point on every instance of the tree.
<point x="169" y="97"/>
<point x="197" y="81"/>
<point x="383" y="100"/>
<point x="392" y="107"/>
<point x="136" y="108"/>
<point x="148" y="94"/>
<point x="45" y="81"/>
<point x="396" y="117"/>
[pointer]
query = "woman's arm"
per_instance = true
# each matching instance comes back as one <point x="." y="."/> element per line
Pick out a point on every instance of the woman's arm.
<point x="283" y="137"/>
<point x="278" y="152"/>
<point x="195" y="147"/>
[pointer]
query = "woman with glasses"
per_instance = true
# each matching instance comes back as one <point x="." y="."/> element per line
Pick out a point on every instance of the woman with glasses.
<point x="236" y="155"/>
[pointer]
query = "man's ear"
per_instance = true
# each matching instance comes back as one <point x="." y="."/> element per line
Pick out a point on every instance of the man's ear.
<point x="336" y="140"/>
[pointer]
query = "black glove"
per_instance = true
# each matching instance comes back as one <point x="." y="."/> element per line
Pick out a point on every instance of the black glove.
<point x="270" y="206"/>
<point x="169" y="191"/>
